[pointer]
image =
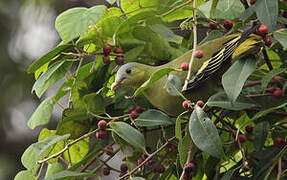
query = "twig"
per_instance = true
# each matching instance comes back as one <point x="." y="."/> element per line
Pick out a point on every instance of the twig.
<point x="267" y="60"/>
<point x="95" y="158"/>
<point x="68" y="145"/>
<point x="176" y="7"/>
<point x="244" y="2"/>
<point x="279" y="168"/>
<point x="252" y="83"/>
<point x="106" y="160"/>
<point x="105" y="163"/>
<point x="244" y="165"/>
<point x="194" y="26"/>
<point x="147" y="159"/>
<point x="188" y="158"/>
<point x="258" y="95"/>
<point x="108" y="118"/>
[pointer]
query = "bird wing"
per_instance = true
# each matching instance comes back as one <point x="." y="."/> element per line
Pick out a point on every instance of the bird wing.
<point x="214" y="63"/>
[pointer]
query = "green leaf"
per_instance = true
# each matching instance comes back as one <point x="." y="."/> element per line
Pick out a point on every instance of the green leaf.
<point x="178" y="132"/>
<point x="183" y="147"/>
<point x="221" y="100"/>
<point x="76" y="21"/>
<point x="119" y="141"/>
<point x="153" y="78"/>
<point x="247" y="13"/>
<point x="132" y="54"/>
<point x="42" y="148"/>
<point x="56" y="148"/>
<point x="234" y="78"/>
<point x="281" y="36"/>
<point x="95" y="103"/>
<point x="25" y="175"/>
<point x="225" y="9"/>
<point x="204" y="133"/>
<point x="41" y="70"/>
<point x="211" y="36"/>
<point x="48" y="57"/>
<point x="54" y="73"/>
<point x="69" y="175"/>
<point x="74" y="123"/>
<point x="153" y="117"/>
<point x="260" y="131"/>
<point x="162" y="30"/>
<point x="129" y="134"/>
<point x="29" y="160"/>
<point x="78" y="91"/>
<point x="53" y="168"/>
<point x="42" y="114"/>
<point x="173" y="85"/>
<point x="262" y="113"/>
<point x="77" y="152"/>
<point x="267" y="78"/>
<point x="267" y="12"/>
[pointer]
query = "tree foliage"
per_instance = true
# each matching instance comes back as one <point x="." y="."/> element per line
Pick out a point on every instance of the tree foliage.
<point x="239" y="132"/>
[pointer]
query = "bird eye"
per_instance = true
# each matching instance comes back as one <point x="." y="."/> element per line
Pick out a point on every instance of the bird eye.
<point x="128" y="71"/>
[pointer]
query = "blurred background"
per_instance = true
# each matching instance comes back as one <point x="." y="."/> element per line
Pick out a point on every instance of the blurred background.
<point x="26" y="33"/>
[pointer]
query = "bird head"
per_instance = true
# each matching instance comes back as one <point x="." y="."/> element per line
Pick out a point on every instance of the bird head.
<point x="130" y="75"/>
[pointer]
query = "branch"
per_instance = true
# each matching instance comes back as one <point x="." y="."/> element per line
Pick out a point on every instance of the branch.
<point x="244" y="163"/>
<point x="194" y="26"/>
<point x="176" y="7"/>
<point x="252" y="83"/>
<point x="258" y="95"/>
<point x="68" y="145"/>
<point x="147" y="159"/>
<point x="279" y="168"/>
<point x="108" y="118"/>
<point x="188" y="158"/>
<point x="96" y="157"/>
<point x="267" y="60"/>
<point x="245" y="4"/>
<point x="106" y="160"/>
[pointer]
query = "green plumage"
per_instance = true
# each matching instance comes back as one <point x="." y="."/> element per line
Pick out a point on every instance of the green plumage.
<point x="218" y="55"/>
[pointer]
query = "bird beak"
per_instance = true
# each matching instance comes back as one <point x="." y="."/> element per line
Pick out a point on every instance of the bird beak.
<point x="115" y="85"/>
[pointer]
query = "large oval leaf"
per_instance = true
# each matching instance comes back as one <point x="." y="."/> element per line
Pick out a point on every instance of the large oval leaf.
<point x="24" y="175"/>
<point x="47" y="57"/>
<point x="129" y="134"/>
<point x="221" y="100"/>
<point x="75" y="22"/>
<point x="204" y="133"/>
<point x="153" y="117"/>
<point x="42" y="114"/>
<point x="173" y="85"/>
<point x="267" y="12"/>
<point x="69" y="175"/>
<point x="234" y="78"/>
<point x="281" y="36"/>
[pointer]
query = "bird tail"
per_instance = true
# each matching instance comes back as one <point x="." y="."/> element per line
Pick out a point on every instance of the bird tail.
<point x="239" y="46"/>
